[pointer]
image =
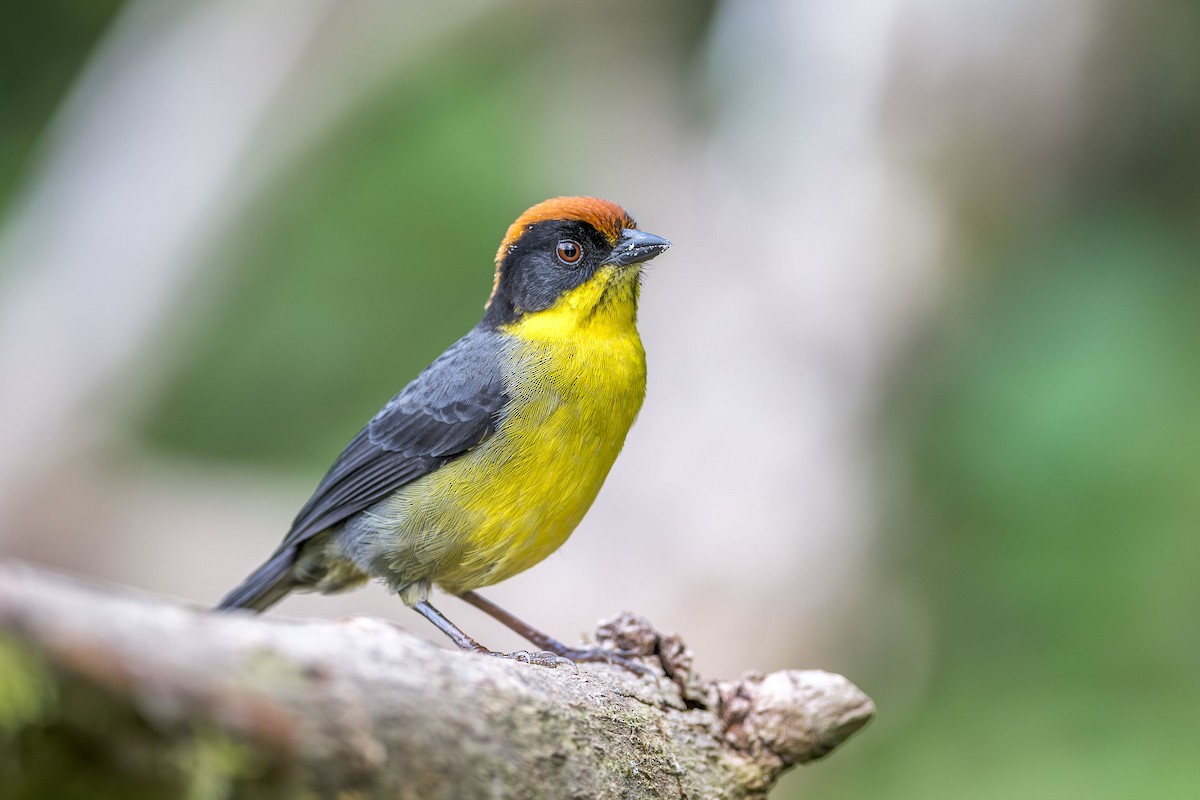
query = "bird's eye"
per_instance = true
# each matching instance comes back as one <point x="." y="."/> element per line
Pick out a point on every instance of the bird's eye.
<point x="569" y="252"/>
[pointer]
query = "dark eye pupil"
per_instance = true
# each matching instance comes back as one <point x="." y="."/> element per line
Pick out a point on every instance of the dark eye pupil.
<point x="569" y="251"/>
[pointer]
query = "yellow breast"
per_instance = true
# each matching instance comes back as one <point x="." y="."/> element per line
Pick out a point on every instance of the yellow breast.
<point x="576" y="382"/>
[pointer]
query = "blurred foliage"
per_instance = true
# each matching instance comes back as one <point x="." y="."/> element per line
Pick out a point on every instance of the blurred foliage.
<point x="43" y="46"/>
<point x="1057" y="452"/>
<point x="372" y="257"/>
<point x="1143" y="124"/>
<point x="1052" y="456"/>
<point x="1061" y="443"/>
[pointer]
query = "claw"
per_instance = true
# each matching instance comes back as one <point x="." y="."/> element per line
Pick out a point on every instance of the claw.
<point x="628" y="653"/>
<point x="617" y="658"/>
<point x="570" y="656"/>
<point x="542" y="658"/>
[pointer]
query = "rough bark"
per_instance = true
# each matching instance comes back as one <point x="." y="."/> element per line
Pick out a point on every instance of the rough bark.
<point x="108" y="693"/>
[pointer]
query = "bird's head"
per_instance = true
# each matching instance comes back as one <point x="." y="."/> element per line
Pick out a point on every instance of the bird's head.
<point x="578" y="257"/>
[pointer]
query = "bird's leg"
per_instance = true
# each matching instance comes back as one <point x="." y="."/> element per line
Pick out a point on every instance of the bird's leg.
<point x="465" y="642"/>
<point x="549" y="643"/>
<point x="447" y="627"/>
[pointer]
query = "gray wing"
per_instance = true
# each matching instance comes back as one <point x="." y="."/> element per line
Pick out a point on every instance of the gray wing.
<point x="451" y="407"/>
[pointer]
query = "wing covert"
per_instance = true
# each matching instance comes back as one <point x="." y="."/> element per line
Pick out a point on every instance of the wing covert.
<point x="449" y="408"/>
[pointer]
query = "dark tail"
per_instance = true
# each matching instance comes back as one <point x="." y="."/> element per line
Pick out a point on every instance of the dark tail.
<point x="265" y="587"/>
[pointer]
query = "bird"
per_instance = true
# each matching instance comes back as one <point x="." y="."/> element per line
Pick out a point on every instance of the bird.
<point x="486" y="462"/>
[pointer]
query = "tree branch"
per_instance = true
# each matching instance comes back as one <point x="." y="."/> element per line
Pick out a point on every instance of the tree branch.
<point x="109" y="692"/>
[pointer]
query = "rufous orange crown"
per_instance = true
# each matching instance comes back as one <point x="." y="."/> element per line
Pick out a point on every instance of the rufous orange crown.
<point x="608" y="218"/>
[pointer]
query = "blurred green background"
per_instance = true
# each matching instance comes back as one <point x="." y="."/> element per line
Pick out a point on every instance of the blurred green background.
<point x="1024" y="608"/>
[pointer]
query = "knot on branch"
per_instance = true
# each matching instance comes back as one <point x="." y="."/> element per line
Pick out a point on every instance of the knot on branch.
<point x="781" y="719"/>
<point x="794" y="716"/>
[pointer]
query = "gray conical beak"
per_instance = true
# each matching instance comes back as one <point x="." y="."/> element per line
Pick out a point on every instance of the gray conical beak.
<point x="635" y="247"/>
